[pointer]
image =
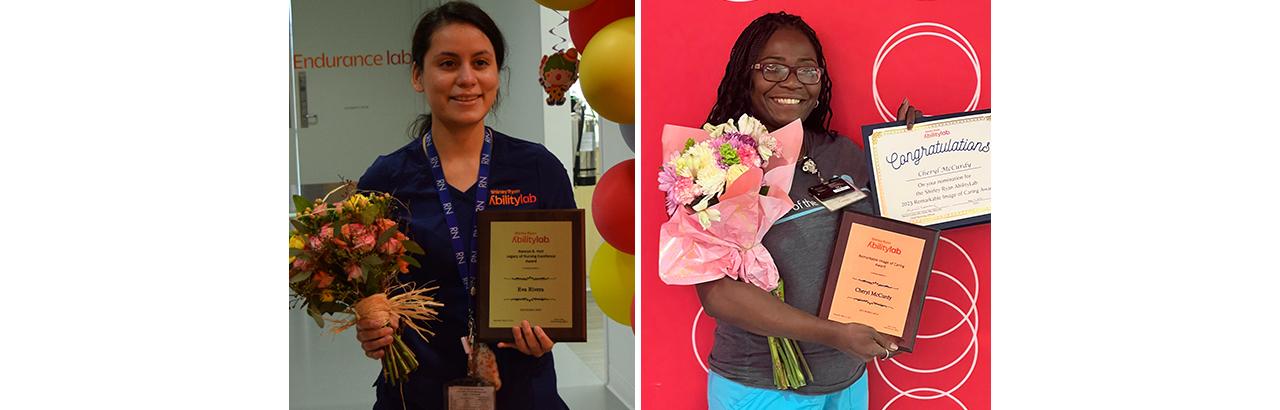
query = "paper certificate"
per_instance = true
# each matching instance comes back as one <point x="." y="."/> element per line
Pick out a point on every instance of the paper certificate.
<point x="531" y="269"/>
<point x="937" y="174"/>
<point x="879" y="273"/>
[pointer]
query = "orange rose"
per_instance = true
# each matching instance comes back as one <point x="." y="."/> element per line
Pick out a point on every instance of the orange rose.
<point x="384" y="224"/>
<point x="301" y="265"/>
<point x="362" y="238"/>
<point x="354" y="272"/>
<point x="323" y="279"/>
<point x="392" y="247"/>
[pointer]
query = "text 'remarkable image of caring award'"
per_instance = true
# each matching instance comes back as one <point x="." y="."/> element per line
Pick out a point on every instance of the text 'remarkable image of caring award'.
<point x="532" y="267"/>
<point x="937" y="174"/>
<point x="879" y="273"/>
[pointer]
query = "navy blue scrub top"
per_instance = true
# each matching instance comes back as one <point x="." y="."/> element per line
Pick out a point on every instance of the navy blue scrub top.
<point x="523" y="175"/>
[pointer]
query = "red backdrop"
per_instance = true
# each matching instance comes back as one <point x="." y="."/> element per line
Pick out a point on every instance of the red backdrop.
<point x="937" y="53"/>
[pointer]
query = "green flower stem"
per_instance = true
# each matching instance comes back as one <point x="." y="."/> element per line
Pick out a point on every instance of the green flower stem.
<point x="777" y="364"/>
<point x="407" y="354"/>
<point x="793" y="365"/>
<point x="398" y="361"/>
<point x="388" y="365"/>
<point x="790" y="369"/>
<point x="804" y="364"/>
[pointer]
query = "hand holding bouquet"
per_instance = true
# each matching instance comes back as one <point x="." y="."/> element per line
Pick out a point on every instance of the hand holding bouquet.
<point x="726" y="185"/>
<point x="343" y="260"/>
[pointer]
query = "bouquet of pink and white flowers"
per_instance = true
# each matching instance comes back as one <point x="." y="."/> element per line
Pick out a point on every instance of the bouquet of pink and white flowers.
<point x="725" y="186"/>
<point x="697" y="176"/>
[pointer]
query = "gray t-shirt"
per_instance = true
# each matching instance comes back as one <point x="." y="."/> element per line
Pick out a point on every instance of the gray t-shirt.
<point x="801" y="244"/>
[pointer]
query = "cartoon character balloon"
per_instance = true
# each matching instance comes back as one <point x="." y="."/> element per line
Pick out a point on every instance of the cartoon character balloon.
<point x="558" y="72"/>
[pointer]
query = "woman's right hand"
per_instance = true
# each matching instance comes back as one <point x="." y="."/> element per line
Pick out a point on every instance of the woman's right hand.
<point x="864" y="342"/>
<point x="374" y="336"/>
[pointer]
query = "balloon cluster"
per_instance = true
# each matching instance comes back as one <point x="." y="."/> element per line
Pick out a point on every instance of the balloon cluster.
<point x="604" y="33"/>
<point x="613" y="211"/>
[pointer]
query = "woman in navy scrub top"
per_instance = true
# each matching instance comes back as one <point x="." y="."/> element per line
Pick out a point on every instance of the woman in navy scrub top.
<point x="457" y="54"/>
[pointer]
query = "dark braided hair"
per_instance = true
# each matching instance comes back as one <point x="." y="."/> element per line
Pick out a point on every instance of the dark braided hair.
<point x="734" y="96"/>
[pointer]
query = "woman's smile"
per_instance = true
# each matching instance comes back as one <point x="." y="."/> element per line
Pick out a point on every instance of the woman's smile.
<point x="466" y="100"/>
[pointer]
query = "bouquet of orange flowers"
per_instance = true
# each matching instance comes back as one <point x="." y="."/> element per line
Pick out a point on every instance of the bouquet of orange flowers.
<point x="343" y="261"/>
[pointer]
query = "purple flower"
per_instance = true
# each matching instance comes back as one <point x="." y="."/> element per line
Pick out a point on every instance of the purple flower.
<point x="743" y="144"/>
<point x="680" y="190"/>
<point x="740" y="143"/>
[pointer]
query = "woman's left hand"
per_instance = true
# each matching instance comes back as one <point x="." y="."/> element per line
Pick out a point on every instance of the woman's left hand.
<point x="529" y="340"/>
<point x="909" y="113"/>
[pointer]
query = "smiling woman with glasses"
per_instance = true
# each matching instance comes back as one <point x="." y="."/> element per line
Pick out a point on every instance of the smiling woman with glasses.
<point x="777" y="73"/>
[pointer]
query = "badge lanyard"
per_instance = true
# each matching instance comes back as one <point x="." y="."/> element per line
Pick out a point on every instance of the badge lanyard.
<point x="834" y="193"/>
<point x="466" y="268"/>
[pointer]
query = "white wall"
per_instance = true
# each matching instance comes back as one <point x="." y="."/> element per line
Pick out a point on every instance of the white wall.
<point x="621" y="359"/>
<point x="362" y="112"/>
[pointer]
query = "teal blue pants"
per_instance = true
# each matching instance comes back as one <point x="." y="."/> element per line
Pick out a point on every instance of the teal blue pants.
<point x="724" y="394"/>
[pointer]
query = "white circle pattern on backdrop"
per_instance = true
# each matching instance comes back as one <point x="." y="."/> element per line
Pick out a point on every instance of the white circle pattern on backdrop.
<point x="886" y="48"/>
<point x="693" y="339"/>
<point x="972" y="318"/>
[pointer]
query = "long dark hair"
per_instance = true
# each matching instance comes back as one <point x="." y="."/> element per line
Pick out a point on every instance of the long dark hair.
<point x="449" y="13"/>
<point x="734" y="96"/>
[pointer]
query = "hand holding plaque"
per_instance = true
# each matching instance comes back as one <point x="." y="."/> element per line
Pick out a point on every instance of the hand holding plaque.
<point x="879" y="273"/>
<point x="532" y="268"/>
<point x="864" y="342"/>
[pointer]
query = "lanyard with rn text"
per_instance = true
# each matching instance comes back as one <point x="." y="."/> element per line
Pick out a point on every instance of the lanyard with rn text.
<point x="467" y="267"/>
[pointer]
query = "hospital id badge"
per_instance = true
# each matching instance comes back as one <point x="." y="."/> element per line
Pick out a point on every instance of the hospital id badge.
<point x="836" y="193"/>
<point x="470" y="393"/>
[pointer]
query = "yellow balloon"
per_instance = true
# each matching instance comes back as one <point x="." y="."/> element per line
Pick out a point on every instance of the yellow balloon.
<point x="607" y="71"/>
<point x="612" y="280"/>
<point x="564" y="5"/>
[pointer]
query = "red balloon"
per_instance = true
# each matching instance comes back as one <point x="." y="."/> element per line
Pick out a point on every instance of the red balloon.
<point x="613" y="206"/>
<point x="586" y="21"/>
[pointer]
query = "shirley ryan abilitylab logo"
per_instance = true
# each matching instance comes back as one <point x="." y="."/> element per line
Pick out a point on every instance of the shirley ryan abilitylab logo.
<point x="511" y="197"/>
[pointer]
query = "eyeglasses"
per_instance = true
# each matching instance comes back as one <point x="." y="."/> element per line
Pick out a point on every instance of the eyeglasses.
<point x="778" y="72"/>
